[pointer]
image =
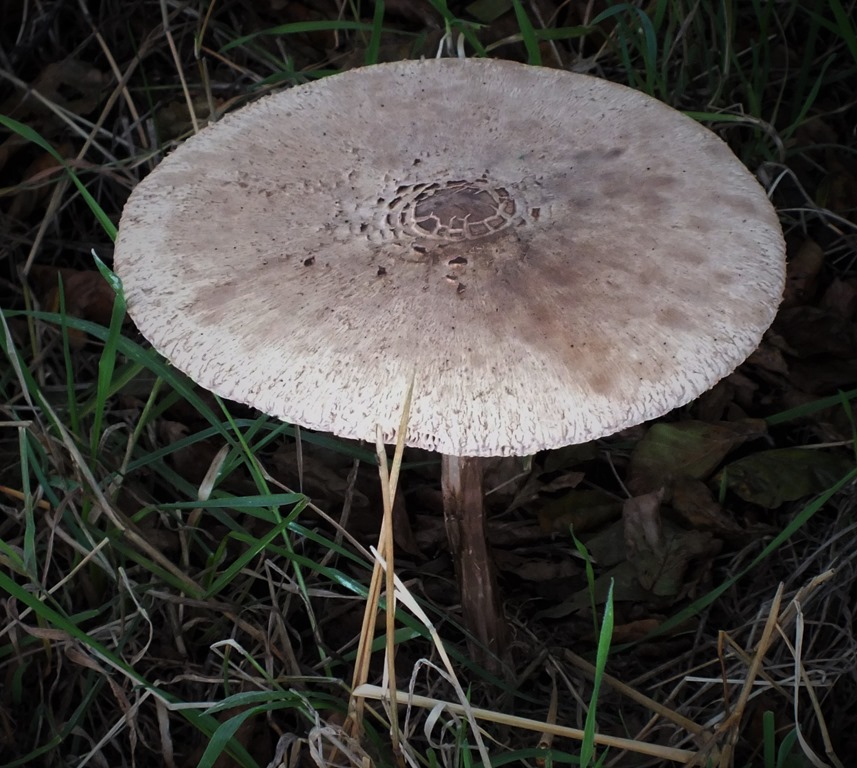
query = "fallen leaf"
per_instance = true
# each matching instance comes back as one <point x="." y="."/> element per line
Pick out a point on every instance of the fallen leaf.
<point x="694" y="505"/>
<point x="643" y="526"/>
<point x="570" y="456"/>
<point x="582" y="510"/>
<point x="838" y="192"/>
<point x="802" y="273"/>
<point x="606" y="547"/>
<point x="536" y="486"/>
<point x="771" y="478"/>
<point x="37" y="182"/>
<point x="626" y="588"/>
<point x="811" y="331"/>
<point x="660" y="551"/>
<point x="841" y="297"/>
<point x="823" y="376"/>
<point x="192" y="461"/>
<point x="487" y="11"/>
<point x="770" y="358"/>
<point x="174" y="118"/>
<point x="633" y="631"/>
<point x="685" y="449"/>
<point x="87" y="295"/>
<point x="537" y="570"/>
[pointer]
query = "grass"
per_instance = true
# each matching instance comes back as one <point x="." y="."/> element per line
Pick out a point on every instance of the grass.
<point x="183" y="579"/>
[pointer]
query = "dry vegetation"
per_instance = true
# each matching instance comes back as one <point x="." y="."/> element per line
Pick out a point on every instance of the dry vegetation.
<point x="169" y="595"/>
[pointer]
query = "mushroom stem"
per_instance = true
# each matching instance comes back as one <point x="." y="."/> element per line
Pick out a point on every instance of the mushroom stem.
<point x="463" y="510"/>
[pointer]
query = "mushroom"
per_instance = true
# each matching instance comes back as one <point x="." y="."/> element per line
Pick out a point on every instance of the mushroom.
<point x="555" y="256"/>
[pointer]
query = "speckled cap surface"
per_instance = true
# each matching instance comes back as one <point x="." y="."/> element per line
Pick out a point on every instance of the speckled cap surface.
<point x="555" y="257"/>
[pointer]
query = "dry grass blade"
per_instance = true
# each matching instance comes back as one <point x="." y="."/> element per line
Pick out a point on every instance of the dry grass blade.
<point x="18" y="496"/>
<point x="659" y="709"/>
<point x="731" y="725"/>
<point x="389" y="481"/>
<point x="404" y="596"/>
<point x="386" y="547"/>
<point x="801" y="677"/>
<point x="682" y="756"/>
<point x="179" y="71"/>
<point x="547" y="737"/>
<point x="102" y="502"/>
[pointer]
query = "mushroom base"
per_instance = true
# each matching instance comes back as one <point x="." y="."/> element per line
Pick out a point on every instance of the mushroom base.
<point x="463" y="510"/>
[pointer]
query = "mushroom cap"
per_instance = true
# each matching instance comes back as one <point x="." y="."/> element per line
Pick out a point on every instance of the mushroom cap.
<point x="553" y="256"/>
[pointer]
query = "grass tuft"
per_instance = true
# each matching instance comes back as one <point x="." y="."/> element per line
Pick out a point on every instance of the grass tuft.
<point x="185" y="582"/>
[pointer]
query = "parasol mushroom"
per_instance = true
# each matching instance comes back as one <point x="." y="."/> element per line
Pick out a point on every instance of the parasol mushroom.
<point x="557" y="257"/>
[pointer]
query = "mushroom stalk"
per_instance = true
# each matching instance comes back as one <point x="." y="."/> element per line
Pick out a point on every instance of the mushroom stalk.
<point x="463" y="510"/>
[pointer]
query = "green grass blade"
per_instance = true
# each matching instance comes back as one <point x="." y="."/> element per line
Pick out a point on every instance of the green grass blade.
<point x="30" y="558"/>
<point x="29" y="134"/>
<point x="590" y="577"/>
<point x="587" y="747"/>
<point x="53" y="618"/>
<point x="106" y="386"/>
<point x="628" y="36"/>
<point x="454" y="23"/>
<point x="808" y="409"/>
<point x="257" y="546"/>
<point x="241" y="502"/>
<point x="374" y="46"/>
<point x="769" y="739"/>
<point x="845" y="26"/>
<point x="106" y="366"/>
<point x="71" y="399"/>
<point x="528" y="34"/>
<point x="300" y="27"/>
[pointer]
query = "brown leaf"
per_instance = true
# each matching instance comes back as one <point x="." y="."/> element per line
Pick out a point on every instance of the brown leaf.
<point x="37" y="183"/>
<point x="812" y="331"/>
<point x="633" y="631"/>
<point x="770" y="358"/>
<point x="505" y="476"/>
<point x="660" y="551"/>
<point x="582" y="510"/>
<point x="838" y="192"/>
<point x="802" y="274"/>
<point x="685" y="449"/>
<point x="414" y="11"/>
<point x="841" y="297"/>
<point x="535" y="570"/>
<point x="174" y="119"/>
<point x="323" y="476"/>
<point x="570" y="456"/>
<point x="626" y="588"/>
<point x="771" y="478"/>
<point x="72" y="84"/>
<point x="87" y="295"/>
<point x="606" y="547"/>
<point x="643" y="526"/>
<point x="693" y="503"/>
<point x="823" y="377"/>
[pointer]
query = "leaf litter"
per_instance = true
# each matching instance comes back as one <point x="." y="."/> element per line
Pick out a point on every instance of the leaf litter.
<point x="665" y="512"/>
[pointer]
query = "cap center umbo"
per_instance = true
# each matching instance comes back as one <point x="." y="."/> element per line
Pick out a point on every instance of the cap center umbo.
<point x="449" y="226"/>
<point x="462" y="211"/>
<point x="452" y="211"/>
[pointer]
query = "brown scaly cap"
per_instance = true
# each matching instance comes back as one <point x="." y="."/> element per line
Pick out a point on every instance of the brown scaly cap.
<point x="557" y="257"/>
